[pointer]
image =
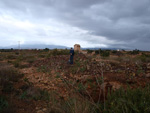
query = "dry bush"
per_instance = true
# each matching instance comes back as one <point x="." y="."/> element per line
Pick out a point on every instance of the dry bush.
<point x="11" y="56"/>
<point x="8" y="75"/>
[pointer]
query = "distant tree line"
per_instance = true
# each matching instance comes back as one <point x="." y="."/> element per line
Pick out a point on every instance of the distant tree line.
<point x="6" y="50"/>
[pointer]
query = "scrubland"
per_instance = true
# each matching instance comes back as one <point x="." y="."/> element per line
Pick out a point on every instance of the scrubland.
<point x="100" y="81"/>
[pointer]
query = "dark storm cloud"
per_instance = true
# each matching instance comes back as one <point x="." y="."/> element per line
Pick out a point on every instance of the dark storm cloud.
<point x="124" y="21"/>
<point x="114" y="19"/>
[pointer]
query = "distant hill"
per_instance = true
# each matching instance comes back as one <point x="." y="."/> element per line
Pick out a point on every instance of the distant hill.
<point x="35" y="46"/>
<point x="43" y="46"/>
<point x="96" y="48"/>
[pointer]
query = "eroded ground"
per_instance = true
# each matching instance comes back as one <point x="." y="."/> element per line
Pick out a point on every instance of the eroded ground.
<point x="90" y="76"/>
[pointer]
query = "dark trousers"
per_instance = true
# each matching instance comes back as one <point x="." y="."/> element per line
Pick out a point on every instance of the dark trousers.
<point x="71" y="59"/>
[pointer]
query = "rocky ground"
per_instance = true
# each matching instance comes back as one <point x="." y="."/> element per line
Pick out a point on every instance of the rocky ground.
<point x="88" y="75"/>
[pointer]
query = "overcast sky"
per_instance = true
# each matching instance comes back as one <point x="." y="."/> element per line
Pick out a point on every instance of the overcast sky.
<point x="90" y="23"/>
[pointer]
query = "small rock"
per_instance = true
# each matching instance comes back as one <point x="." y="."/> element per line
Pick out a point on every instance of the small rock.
<point x="44" y="109"/>
<point x="40" y="111"/>
<point x="147" y="75"/>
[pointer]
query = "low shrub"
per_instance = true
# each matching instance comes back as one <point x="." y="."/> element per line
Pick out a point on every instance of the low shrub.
<point x="3" y="103"/>
<point x="97" y="51"/>
<point x="31" y="60"/>
<point x="2" y="56"/>
<point x="134" y="52"/>
<point x="6" y="50"/>
<point x="89" y="51"/>
<point x="103" y="53"/>
<point x="76" y="105"/>
<point x="35" y="93"/>
<point x="128" y="101"/>
<point x="46" y="49"/>
<point x="41" y="55"/>
<point x="118" y="53"/>
<point x="16" y="63"/>
<point x="144" y="57"/>
<point x="59" y="52"/>
<point x="8" y="75"/>
<point x="44" y="69"/>
<point x="11" y="56"/>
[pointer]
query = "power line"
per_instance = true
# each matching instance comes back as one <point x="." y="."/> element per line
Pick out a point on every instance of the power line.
<point x="18" y="45"/>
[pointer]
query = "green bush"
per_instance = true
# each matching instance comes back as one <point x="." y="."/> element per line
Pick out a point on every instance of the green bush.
<point x="144" y="57"/>
<point x="8" y="75"/>
<point x="76" y="105"/>
<point x="89" y="51"/>
<point x="114" y="51"/>
<point x="31" y="60"/>
<point x="3" y="103"/>
<point x="83" y="69"/>
<point x="16" y="63"/>
<point x="11" y="57"/>
<point x="1" y="57"/>
<point x="118" y="53"/>
<point x="128" y="101"/>
<point x="134" y="52"/>
<point x="59" y="52"/>
<point x="7" y="87"/>
<point x="6" y="50"/>
<point x="103" y="53"/>
<point x="41" y="55"/>
<point x="44" y="69"/>
<point x="97" y="51"/>
<point x="23" y="95"/>
<point x="81" y="87"/>
<point x="54" y="52"/>
<point x="46" y="49"/>
<point x="36" y="94"/>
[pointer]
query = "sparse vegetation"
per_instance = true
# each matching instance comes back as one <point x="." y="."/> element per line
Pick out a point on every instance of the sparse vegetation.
<point x="134" y="52"/>
<point x="144" y="57"/>
<point x="90" y="51"/>
<point x="103" y="53"/>
<point x="3" y="103"/>
<point x="60" y="52"/>
<point x="128" y="101"/>
<point x="107" y="82"/>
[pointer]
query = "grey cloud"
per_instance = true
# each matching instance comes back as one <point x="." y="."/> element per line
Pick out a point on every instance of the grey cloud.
<point x="119" y="20"/>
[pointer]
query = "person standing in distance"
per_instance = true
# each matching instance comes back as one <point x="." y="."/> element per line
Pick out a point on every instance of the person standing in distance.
<point x="71" y="55"/>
